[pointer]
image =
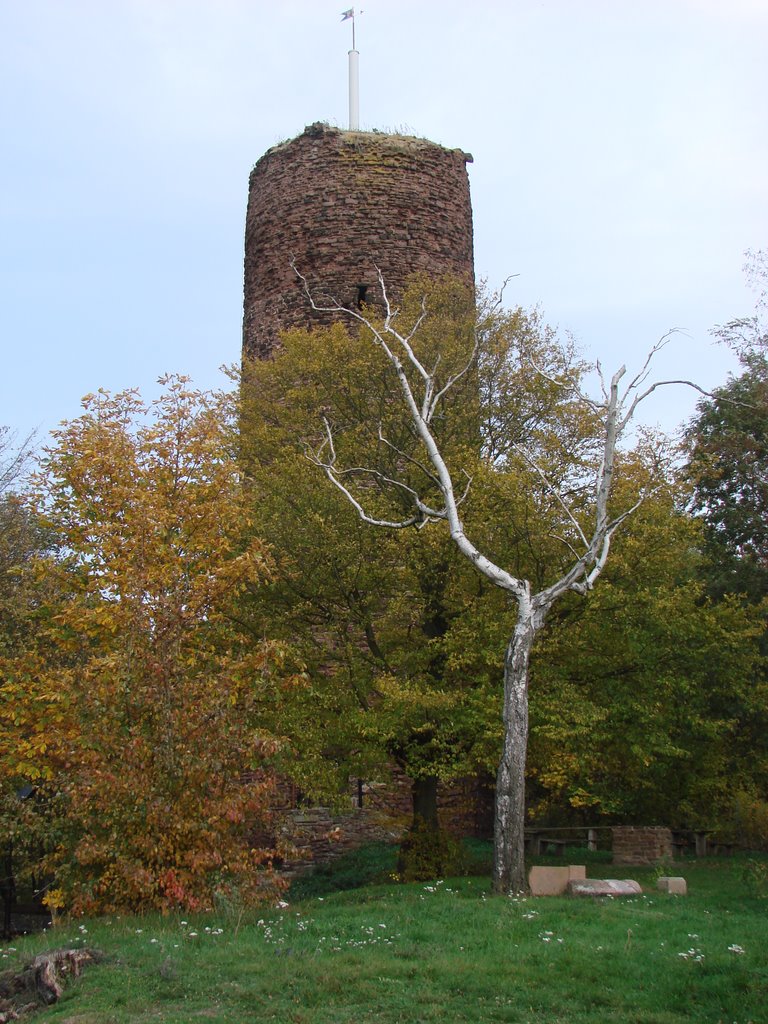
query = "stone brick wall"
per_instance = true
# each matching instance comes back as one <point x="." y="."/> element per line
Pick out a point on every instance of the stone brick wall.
<point x="320" y="834"/>
<point x="342" y="203"/>
<point x="637" y="845"/>
<point x="464" y="806"/>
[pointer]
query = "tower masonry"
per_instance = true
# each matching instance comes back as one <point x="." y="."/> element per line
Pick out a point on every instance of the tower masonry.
<point x="341" y="204"/>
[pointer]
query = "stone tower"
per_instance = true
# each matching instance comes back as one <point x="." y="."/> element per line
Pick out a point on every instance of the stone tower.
<point x="342" y="203"/>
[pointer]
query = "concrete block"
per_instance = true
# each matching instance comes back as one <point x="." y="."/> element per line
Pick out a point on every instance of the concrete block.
<point x="548" y="881"/>
<point x="604" y="887"/>
<point x="672" y="884"/>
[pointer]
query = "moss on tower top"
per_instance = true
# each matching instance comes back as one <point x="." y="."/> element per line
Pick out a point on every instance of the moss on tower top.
<point x="373" y="141"/>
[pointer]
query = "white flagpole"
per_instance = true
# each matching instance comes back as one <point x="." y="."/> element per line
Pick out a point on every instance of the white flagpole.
<point x="354" y="77"/>
<point x="354" y="90"/>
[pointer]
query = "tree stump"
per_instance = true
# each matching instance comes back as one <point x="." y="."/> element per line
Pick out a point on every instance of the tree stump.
<point x="41" y="982"/>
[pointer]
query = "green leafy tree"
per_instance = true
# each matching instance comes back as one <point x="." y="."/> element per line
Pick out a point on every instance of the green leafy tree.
<point x="728" y="464"/>
<point x="376" y="613"/>
<point x="727" y="444"/>
<point x="370" y="613"/>
<point x="647" y="701"/>
<point x="571" y="461"/>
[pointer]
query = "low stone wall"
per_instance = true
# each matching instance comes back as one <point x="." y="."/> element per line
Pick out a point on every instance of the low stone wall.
<point x="639" y="845"/>
<point x="318" y="834"/>
<point x="465" y="808"/>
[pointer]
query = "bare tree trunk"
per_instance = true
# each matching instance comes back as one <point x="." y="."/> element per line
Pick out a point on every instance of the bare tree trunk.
<point x="509" y="820"/>
<point x="588" y="532"/>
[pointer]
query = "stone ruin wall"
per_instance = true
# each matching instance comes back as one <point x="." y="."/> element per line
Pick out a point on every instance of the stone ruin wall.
<point x="638" y="845"/>
<point x="321" y="834"/>
<point x="342" y="203"/>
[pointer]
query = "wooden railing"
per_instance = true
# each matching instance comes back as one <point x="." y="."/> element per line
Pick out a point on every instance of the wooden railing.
<point x="554" y="839"/>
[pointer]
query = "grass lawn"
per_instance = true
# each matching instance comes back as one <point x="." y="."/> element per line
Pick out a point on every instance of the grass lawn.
<point x="440" y="951"/>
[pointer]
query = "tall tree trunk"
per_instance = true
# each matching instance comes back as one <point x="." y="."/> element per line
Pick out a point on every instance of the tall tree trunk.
<point x="509" y="820"/>
<point x="424" y="792"/>
<point x="425" y="851"/>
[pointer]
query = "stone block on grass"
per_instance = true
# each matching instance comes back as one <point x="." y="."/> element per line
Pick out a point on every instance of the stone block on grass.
<point x="673" y="884"/>
<point x="604" y="887"/>
<point x="553" y="881"/>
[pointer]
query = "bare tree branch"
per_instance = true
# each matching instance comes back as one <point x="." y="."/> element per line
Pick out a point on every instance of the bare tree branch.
<point x="452" y="381"/>
<point x="554" y="491"/>
<point x="642" y="374"/>
<point x="425" y="513"/>
<point x="409" y="458"/>
<point x="14" y="456"/>
<point x="648" y="391"/>
<point x="614" y="411"/>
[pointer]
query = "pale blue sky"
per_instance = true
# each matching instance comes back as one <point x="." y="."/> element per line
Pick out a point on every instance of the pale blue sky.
<point x="621" y="168"/>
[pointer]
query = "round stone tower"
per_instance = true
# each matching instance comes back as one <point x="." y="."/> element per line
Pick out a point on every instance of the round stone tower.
<point x="340" y="204"/>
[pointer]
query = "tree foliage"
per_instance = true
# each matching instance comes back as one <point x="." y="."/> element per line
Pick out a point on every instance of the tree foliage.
<point x="647" y="701"/>
<point x="727" y="447"/>
<point x="370" y="613"/>
<point x="562" y="466"/>
<point x="728" y="464"/>
<point x="142" y="700"/>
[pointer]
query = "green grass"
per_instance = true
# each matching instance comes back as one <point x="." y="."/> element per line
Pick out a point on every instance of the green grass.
<point x="432" y="952"/>
<point x="376" y="862"/>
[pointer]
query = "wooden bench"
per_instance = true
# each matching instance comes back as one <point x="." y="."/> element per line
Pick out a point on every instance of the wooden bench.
<point x="548" y="840"/>
<point x="538" y="842"/>
<point x="679" y="843"/>
<point x="683" y="839"/>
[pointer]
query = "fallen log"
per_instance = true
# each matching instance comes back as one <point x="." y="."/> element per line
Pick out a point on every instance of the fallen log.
<point x="41" y="982"/>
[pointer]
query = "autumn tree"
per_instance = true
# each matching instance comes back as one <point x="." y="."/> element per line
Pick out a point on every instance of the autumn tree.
<point x="572" y="469"/>
<point x="20" y="534"/>
<point x="21" y="539"/>
<point x="155" y="710"/>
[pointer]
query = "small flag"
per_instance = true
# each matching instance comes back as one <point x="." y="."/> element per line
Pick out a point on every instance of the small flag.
<point x="348" y="14"/>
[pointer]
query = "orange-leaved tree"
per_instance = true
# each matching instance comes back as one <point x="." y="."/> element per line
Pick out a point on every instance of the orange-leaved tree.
<point x="168" y="706"/>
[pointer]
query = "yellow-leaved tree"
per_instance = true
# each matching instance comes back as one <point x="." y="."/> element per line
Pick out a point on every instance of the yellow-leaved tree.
<point x="162" y="736"/>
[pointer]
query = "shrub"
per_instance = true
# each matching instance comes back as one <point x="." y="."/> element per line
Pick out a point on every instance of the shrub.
<point x="756" y="878"/>
<point x="426" y="853"/>
<point x="746" y="823"/>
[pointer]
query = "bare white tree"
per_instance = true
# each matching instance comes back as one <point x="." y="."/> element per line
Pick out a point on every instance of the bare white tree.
<point x="423" y="396"/>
